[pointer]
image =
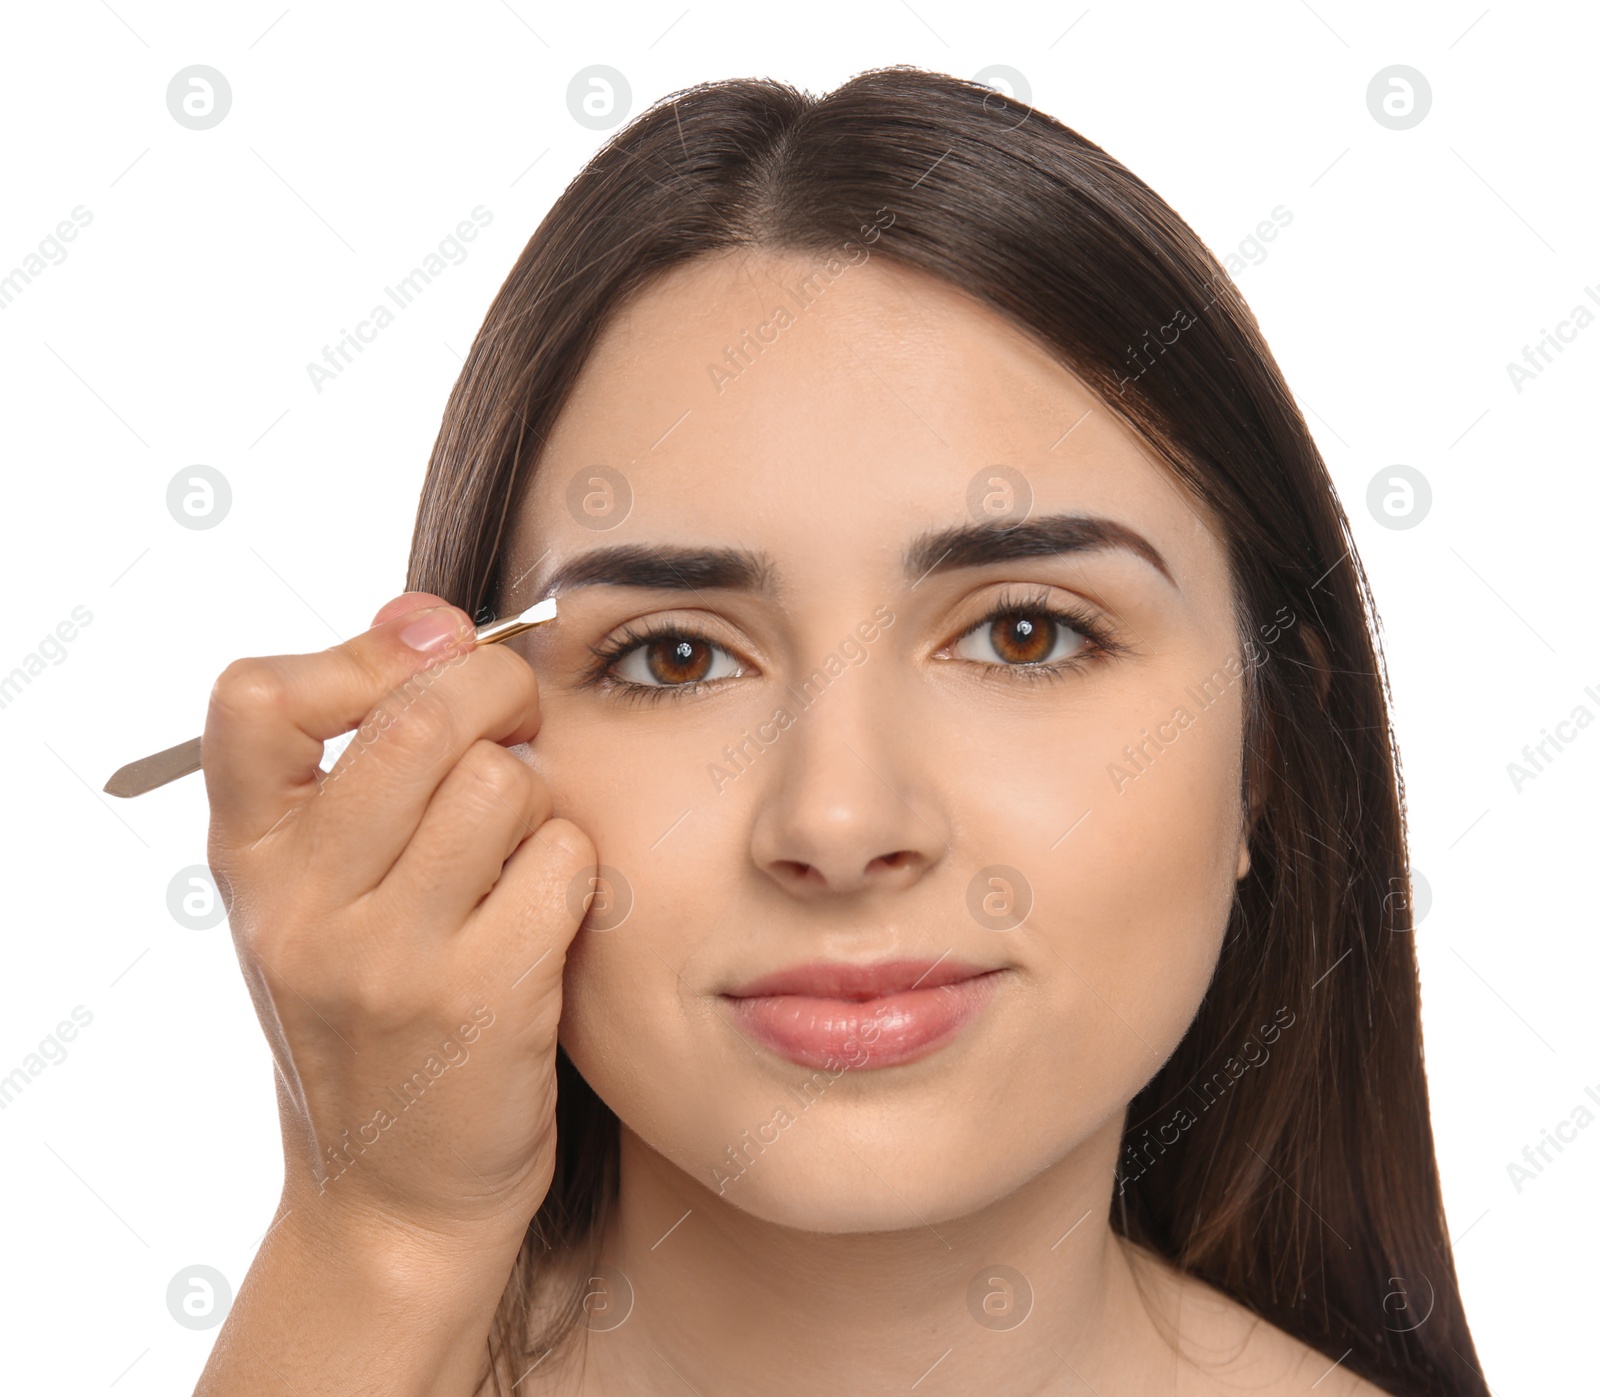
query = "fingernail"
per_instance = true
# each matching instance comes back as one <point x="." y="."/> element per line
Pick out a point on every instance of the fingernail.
<point x="433" y="630"/>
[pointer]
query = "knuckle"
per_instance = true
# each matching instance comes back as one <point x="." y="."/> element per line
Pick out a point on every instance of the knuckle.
<point x="515" y="670"/>
<point x="501" y="778"/>
<point x="337" y="979"/>
<point x="365" y="661"/>
<point x="286" y="962"/>
<point x="250" y="687"/>
<point x="377" y="995"/>
<point x="417" y="725"/>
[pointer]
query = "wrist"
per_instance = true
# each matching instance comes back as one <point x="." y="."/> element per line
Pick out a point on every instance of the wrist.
<point x="347" y="1299"/>
<point x="463" y="1263"/>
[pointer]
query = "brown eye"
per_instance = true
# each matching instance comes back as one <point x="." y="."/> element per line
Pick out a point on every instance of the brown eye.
<point x="1018" y="638"/>
<point x="677" y="659"/>
<point x="1023" y="639"/>
<point x="671" y="659"/>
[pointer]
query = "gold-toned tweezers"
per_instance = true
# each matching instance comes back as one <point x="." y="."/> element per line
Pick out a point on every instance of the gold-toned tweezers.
<point x="159" y="768"/>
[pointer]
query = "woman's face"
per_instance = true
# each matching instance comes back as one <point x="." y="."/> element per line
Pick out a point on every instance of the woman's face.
<point x="938" y="666"/>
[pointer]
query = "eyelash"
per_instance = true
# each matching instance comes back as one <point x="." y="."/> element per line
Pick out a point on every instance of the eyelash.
<point x="1099" y="645"/>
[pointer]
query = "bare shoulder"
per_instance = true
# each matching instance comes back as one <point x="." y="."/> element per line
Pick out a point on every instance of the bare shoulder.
<point x="1221" y="1347"/>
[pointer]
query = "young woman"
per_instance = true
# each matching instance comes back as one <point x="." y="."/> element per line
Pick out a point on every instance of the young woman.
<point x="931" y="913"/>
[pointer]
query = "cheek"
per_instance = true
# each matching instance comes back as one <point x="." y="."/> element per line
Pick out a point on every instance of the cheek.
<point x="636" y="1018"/>
<point x="635" y="793"/>
<point x="665" y="845"/>
<point x="1128" y="909"/>
<point x="607" y="1025"/>
<point x="1152" y="881"/>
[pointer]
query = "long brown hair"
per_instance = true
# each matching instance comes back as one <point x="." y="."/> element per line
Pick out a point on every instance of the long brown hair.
<point x="1307" y="1191"/>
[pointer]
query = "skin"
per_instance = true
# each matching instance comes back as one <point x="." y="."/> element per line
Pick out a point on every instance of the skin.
<point x="855" y="835"/>
<point x="372" y="912"/>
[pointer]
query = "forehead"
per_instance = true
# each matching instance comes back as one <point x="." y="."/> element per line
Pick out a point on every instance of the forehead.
<point x="830" y="409"/>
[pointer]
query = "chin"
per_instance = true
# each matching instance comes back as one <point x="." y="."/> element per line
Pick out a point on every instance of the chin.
<point x="884" y="1177"/>
<point x="846" y="1197"/>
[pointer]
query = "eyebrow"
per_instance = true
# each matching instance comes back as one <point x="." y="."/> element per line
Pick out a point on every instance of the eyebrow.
<point x="688" y="568"/>
<point x="1052" y="535"/>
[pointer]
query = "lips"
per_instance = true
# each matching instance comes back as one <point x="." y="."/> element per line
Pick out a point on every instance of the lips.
<point x="828" y="1014"/>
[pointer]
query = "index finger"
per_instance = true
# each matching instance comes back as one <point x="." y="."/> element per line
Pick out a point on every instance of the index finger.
<point x="269" y="715"/>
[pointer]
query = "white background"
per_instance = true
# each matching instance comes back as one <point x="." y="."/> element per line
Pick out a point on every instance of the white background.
<point x="219" y="262"/>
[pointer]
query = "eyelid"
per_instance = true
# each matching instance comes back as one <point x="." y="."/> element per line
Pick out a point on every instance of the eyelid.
<point x="651" y="625"/>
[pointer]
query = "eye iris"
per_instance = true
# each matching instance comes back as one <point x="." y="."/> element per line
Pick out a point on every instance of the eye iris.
<point x="1024" y="639"/>
<point x="677" y="659"/>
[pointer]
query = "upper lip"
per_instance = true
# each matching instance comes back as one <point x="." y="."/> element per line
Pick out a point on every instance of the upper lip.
<point x="841" y="980"/>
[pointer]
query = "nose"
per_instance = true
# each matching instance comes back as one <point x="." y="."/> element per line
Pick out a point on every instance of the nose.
<point x="849" y="803"/>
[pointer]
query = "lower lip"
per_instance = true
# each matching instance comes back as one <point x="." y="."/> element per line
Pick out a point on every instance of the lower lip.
<point x="883" y="1032"/>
